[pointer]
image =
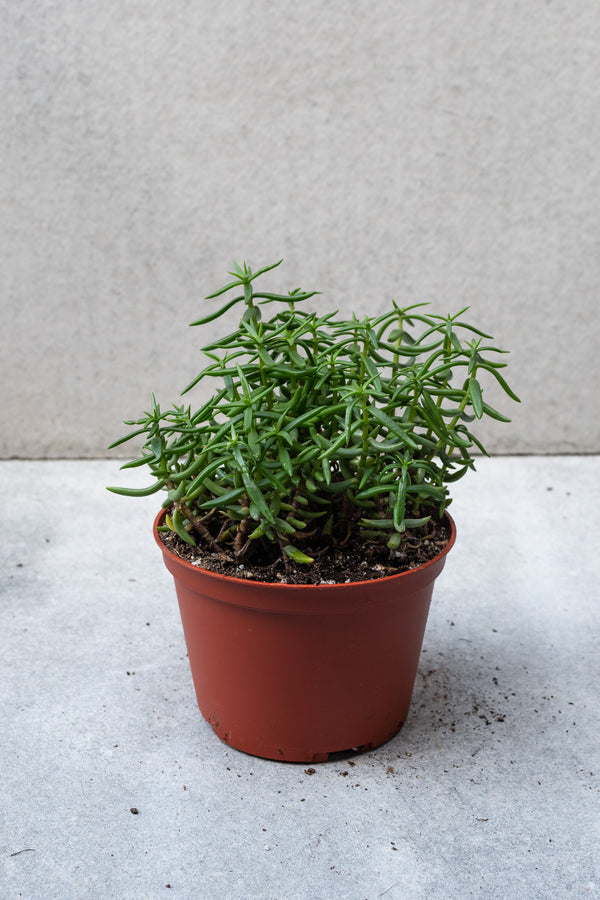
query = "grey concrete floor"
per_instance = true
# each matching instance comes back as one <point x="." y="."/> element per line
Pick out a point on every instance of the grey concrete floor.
<point x="489" y="791"/>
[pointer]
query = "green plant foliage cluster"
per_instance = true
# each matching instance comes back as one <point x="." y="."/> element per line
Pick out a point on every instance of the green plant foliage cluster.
<point x="319" y="423"/>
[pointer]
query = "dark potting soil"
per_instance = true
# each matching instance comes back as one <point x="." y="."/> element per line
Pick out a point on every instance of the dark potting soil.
<point x="358" y="560"/>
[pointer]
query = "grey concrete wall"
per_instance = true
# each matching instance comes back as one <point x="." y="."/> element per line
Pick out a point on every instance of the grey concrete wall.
<point x="417" y="150"/>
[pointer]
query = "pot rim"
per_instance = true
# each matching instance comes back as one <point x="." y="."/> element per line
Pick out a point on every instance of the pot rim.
<point x="278" y="585"/>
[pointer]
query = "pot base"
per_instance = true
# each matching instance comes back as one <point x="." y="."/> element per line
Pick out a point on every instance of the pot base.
<point x="299" y="755"/>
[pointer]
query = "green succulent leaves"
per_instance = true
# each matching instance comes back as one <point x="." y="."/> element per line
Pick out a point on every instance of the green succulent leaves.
<point x="319" y="422"/>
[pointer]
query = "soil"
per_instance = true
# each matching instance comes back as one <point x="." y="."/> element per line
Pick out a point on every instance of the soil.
<point x="358" y="560"/>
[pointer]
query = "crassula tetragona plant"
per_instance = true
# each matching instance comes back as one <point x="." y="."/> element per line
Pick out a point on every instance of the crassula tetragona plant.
<point x="319" y="429"/>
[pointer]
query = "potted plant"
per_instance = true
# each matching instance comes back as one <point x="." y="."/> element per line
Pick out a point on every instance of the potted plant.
<point x="305" y="518"/>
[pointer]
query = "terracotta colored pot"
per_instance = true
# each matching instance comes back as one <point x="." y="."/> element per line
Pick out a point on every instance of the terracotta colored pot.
<point x="295" y="672"/>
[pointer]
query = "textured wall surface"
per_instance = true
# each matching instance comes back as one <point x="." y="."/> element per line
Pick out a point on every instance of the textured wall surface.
<point x="430" y="151"/>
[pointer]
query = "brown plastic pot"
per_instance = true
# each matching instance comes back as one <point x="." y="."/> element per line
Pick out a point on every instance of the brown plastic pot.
<point x="298" y="672"/>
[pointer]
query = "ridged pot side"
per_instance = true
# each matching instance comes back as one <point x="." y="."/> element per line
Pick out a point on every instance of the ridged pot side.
<point x="298" y="672"/>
